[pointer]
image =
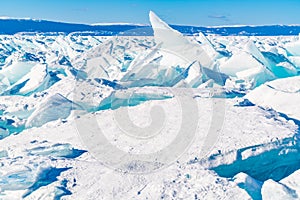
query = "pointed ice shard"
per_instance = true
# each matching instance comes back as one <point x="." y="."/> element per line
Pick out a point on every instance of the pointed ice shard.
<point x="208" y="46"/>
<point x="174" y="41"/>
<point x="253" y="50"/>
<point x="164" y="34"/>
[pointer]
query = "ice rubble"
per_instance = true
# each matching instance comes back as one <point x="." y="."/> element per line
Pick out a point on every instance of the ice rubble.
<point x="188" y="62"/>
<point x="164" y="64"/>
<point x="247" y="68"/>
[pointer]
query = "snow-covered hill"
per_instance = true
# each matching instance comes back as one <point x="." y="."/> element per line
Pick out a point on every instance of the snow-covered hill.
<point x="168" y="116"/>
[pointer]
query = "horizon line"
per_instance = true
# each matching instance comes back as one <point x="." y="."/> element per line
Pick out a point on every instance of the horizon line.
<point x="139" y="24"/>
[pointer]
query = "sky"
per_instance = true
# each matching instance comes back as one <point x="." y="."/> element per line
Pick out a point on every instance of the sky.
<point x="183" y="12"/>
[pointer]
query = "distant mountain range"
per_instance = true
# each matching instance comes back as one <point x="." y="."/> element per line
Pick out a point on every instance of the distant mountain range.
<point x="13" y="26"/>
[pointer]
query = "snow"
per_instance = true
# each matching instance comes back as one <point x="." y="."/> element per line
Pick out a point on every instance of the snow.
<point x="163" y="117"/>
<point x="23" y="18"/>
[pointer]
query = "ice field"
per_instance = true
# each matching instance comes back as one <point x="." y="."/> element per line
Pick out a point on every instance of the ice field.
<point x="169" y="116"/>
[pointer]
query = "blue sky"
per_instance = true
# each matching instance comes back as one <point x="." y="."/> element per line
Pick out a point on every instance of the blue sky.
<point x="188" y="12"/>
